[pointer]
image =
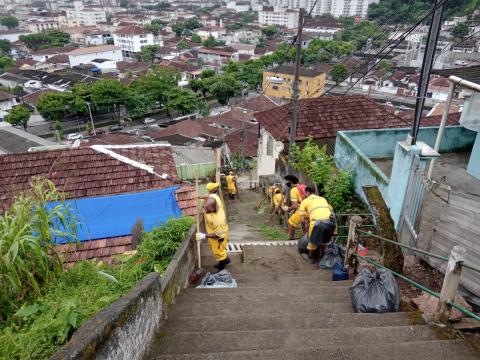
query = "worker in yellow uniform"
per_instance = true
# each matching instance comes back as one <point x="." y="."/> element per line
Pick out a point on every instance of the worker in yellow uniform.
<point x="216" y="227"/>
<point x="295" y="199"/>
<point x="212" y="189"/>
<point x="318" y="215"/>
<point x="231" y="185"/>
<point x="279" y="201"/>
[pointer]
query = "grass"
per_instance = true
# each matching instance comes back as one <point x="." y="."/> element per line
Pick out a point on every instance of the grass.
<point x="45" y="322"/>
<point x="273" y="233"/>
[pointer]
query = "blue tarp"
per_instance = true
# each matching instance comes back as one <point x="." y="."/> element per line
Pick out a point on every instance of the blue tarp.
<point x="114" y="215"/>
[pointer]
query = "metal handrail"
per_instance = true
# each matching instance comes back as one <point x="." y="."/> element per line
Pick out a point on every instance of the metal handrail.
<point x="440" y="257"/>
<point x="420" y="286"/>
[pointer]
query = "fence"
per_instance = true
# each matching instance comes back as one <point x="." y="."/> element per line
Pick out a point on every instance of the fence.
<point x="191" y="171"/>
<point x="451" y="280"/>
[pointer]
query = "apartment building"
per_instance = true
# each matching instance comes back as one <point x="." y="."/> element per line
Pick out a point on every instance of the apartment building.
<point x="281" y="17"/>
<point x="131" y="39"/>
<point x="278" y="83"/>
<point x="81" y="16"/>
<point x="332" y="7"/>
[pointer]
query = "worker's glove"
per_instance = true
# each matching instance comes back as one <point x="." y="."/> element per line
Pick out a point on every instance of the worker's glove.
<point x="285" y="208"/>
<point x="200" y="236"/>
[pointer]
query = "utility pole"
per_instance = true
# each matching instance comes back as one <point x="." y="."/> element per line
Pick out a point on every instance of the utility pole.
<point x="295" y="90"/>
<point x="91" y="118"/>
<point x="243" y="124"/>
<point x="428" y="59"/>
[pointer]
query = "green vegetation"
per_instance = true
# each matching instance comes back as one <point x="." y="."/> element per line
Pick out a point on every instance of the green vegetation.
<point x="460" y="31"/>
<point x="212" y="42"/>
<point x="46" y="39"/>
<point x="246" y="18"/>
<point x="18" y="116"/>
<point x="155" y="26"/>
<point x="273" y="233"/>
<point x="400" y="11"/>
<point x="6" y="63"/>
<point x="41" y="305"/>
<point x="336" y="185"/>
<point x="148" y="52"/>
<point x="11" y="22"/>
<point x="222" y="87"/>
<point x="196" y="39"/>
<point x="339" y="73"/>
<point x="269" y="31"/>
<point x="5" y="46"/>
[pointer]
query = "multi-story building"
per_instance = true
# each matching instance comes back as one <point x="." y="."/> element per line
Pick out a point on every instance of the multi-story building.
<point x="332" y="7"/>
<point x="131" y="39"/>
<point x="218" y="55"/>
<point x="81" y="16"/>
<point x="40" y="24"/>
<point x="278" y="83"/>
<point x="281" y="17"/>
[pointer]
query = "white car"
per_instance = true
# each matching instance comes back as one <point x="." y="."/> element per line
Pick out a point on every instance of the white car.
<point x="149" y="120"/>
<point x="74" y="136"/>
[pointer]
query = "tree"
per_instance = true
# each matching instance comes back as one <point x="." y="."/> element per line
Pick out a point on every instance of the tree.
<point x="6" y="63"/>
<point x="52" y="106"/>
<point x="192" y="24"/>
<point x="178" y="28"/>
<point x="155" y="26"/>
<point x="224" y="87"/>
<point x="461" y="31"/>
<point x="5" y="46"/>
<point x="46" y="39"/>
<point x="109" y="94"/>
<point x="383" y="68"/>
<point x="10" y="22"/>
<point x="269" y="30"/>
<point x="182" y="101"/>
<point x="262" y="43"/>
<point x="147" y="53"/>
<point x="155" y="85"/>
<point x="339" y="73"/>
<point x="19" y="115"/>
<point x="211" y="42"/>
<point x="182" y="45"/>
<point x="196" y="39"/>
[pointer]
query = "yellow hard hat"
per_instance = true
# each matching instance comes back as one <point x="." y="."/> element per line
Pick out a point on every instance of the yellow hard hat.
<point x="212" y="186"/>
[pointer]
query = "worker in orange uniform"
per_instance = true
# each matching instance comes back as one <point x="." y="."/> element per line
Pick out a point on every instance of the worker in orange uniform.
<point x="318" y="215"/>
<point x="296" y="198"/>
<point x="216" y="227"/>
<point x="231" y="185"/>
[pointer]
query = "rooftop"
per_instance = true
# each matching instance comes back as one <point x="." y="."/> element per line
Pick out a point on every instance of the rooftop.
<point x="13" y="140"/>
<point x="470" y="73"/>
<point x="132" y="30"/>
<point x="290" y="70"/>
<point x="93" y="50"/>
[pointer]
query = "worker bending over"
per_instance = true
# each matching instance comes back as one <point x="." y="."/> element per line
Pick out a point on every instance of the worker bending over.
<point x="279" y="204"/>
<point x="216" y="227"/>
<point x="318" y="215"/>
<point x="231" y="185"/>
<point x="295" y="199"/>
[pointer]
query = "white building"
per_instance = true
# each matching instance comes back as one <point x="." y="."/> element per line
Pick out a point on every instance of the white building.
<point x="37" y="25"/>
<point x="218" y="55"/>
<point x="216" y="32"/>
<point x="86" y="55"/>
<point x="131" y="39"/>
<point x="81" y="16"/>
<point x="239" y="6"/>
<point x="332" y="7"/>
<point x="281" y="17"/>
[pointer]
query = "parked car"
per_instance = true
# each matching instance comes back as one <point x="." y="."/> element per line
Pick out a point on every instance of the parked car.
<point x="116" y="127"/>
<point x="149" y="120"/>
<point x="74" y="136"/>
<point x="97" y="132"/>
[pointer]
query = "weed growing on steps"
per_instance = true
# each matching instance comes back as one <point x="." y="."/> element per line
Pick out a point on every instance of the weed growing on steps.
<point x="46" y="321"/>
<point x="273" y="233"/>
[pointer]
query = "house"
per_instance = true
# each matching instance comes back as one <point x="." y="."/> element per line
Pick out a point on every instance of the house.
<point x="186" y="70"/>
<point x="105" y="185"/>
<point x="37" y="25"/>
<point x="26" y="64"/>
<point x="7" y="101"/>
<point x="277" y="83"/>
<point x="111" y="53"/>
<point x="44" y="54"/>
<point x="32" y="98"/>
<point x="239" y="6"/>
<point x="244" y="49"/>
<point x="218" y="55"/>
<point x="82" y="16"/>
<point x="13" y="140"/>
<point x="216" y="32"/>
<point x="319" y="118"/>
<point x="131" y="39"/>
<point x="11" y="80"/>
<point x="132" y="68"/>
<point x="257" y="103"/>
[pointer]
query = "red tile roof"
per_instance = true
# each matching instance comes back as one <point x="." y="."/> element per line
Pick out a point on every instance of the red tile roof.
<point x="322" y="117"/>
<point x="258" y="103"/>
<point x="132" y="30"/>
<point x="234" y="141"/>
<point x="188" y="128"/>
<point x="453" y="119"/>
<point x="86" y="172"/>
<point x="112" y="139"/>
<point x="32" y="98"/>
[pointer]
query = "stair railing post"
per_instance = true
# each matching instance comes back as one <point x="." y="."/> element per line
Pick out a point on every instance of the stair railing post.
<point x="352" y="243"/>
<point x="450" y="283"/>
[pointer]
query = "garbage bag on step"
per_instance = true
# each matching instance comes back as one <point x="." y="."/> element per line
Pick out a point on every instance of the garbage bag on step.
<point x="333" y="254"/>
<point x="375" y="292"/>
<point x="222" y="279"/>
<point x="302" y="244"/>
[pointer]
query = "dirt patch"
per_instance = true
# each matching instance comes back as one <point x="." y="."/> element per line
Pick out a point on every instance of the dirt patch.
<point x="422" y="273"/>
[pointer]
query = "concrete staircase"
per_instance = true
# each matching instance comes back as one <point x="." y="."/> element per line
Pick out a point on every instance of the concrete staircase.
<point x="285" y="308"/>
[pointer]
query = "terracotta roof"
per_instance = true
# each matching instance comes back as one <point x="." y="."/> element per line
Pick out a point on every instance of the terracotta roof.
<point x="133" y="66"/>
<point x="32" y="98"/>
<point x="5" y="96"/>
<point x="93" y="50"/>
<point x="470" y="73"/>
<point x="231" y="119"/>
<point x="111" y="139"/>
<point x="322" y="117"/>
<point x="20" y="62"/>
<point x="258" y="103"/>
<point x="58" y="59"/>
<point x="234" y="141"/>
<point x="93" y="171"/>
<point x="188" y="128"/>
<point x="179" y="65"/>
<point x="58" y="50"/>
<point x="453" y="119"/>
<point x="227" y="51"/>
<point x="132" y="30"/>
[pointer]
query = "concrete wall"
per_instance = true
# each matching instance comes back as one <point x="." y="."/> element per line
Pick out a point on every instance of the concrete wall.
<point x="474" y="162"/>
<point x="381" y="143"/>
<point x="125" y="328"/>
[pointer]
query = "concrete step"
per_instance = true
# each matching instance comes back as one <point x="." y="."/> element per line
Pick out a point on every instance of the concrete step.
<point x="286" y="282"/>
<point x="204" y="342"/>
<point x="334" y="288"/>
<point x="270" y="308"/>
<point x="415" y="350"/>
<point x="179" y="323"/>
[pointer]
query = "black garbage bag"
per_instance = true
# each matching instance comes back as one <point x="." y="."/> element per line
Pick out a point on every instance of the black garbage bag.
<point x="302" y="244"/>
<point x="375" y="292"/>
<point x="333" y="254"/>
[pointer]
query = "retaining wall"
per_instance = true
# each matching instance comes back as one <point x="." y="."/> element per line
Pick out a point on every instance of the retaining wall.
<point x="125" y="328"/>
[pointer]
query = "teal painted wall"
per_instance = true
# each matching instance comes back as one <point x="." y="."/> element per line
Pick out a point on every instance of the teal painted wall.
<point x="474" y="162"/>
<point x="191" y="171"/>
<point x="381" y="143"/>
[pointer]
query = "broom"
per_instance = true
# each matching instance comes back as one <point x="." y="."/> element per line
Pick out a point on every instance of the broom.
<point x="195" y="276"/>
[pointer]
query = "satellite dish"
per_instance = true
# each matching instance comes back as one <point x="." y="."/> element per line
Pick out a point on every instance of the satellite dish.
<point x="279" y="146"/>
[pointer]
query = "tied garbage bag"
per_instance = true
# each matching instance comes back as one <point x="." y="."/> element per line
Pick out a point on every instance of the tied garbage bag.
<point x="376" y="292"/>
<point x="333" y="254"/>
<point x="222" y="279"/>
<point x="302" y="244"/>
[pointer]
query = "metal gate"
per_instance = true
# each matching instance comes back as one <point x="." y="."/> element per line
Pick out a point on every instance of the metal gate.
<point x="412" y="206"/>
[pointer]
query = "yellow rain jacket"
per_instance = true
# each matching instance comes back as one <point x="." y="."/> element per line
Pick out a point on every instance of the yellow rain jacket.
<point x="232" y="189"/>
<point x="295" y="196"/>
<point x="315" y="208"/>
<point x="216" y="223"/>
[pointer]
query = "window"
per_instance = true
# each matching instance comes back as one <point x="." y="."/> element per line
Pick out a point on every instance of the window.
<point x="275" y="87"/>
<point x="269" y="146"/>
